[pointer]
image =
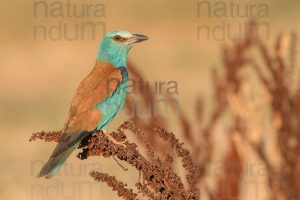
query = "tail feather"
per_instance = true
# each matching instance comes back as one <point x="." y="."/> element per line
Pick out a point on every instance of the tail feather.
<point x="67" y="144"/>
<point x="55" y="162"/>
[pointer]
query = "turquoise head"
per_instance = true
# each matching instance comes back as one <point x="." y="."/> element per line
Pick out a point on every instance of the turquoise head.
<point x="115" y="46"/>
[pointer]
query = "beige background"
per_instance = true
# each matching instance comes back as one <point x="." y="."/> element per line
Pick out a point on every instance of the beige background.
<point x="38" y="78"/>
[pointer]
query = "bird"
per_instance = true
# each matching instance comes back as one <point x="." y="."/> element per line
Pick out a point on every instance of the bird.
<point x="98" y="98"/>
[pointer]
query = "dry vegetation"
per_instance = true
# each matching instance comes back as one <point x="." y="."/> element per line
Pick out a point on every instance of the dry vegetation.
<point x="277" y="104"/>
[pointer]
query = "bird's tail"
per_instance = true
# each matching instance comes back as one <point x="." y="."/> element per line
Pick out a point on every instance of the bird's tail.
<point x="55" y="162"/>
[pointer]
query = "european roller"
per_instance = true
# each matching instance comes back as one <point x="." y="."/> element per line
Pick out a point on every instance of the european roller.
<point x="98" y="98"/>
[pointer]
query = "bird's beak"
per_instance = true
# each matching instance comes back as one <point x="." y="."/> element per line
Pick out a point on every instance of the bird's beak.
<point x="139" y="38"/>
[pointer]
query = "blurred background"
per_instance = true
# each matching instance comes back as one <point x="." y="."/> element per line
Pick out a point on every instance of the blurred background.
<point x="47" y="49"/>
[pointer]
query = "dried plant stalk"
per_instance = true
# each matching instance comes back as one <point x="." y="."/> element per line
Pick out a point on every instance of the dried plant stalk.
<point x="159" y="180"/>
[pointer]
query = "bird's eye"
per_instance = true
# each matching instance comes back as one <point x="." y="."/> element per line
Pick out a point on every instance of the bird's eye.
<point x="117" y="38"/>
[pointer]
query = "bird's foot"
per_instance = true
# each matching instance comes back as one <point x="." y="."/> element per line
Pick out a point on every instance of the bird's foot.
<point x="113" y="139"/>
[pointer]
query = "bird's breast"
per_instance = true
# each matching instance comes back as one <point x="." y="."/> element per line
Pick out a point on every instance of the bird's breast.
<point x="111" y="105"/>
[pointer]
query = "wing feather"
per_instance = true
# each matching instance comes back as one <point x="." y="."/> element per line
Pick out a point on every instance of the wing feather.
<point x="83" y="116"/>
<point x="96" y="87"/>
